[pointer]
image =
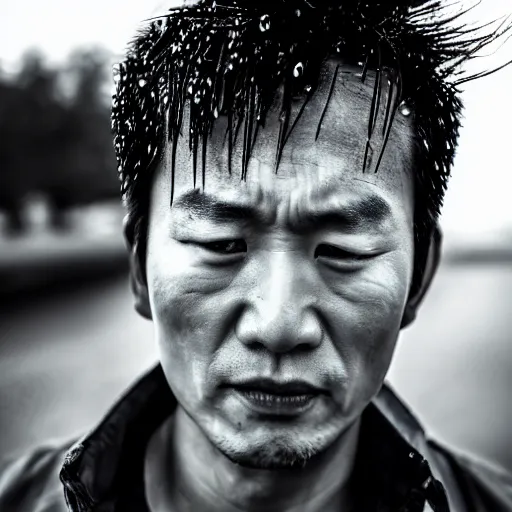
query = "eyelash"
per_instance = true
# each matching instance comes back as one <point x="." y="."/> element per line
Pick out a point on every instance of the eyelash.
<point x="214" y="246"/>
<point x="333" y="252"/>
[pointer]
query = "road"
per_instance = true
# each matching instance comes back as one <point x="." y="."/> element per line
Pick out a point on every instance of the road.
<point x="65" y="356"/>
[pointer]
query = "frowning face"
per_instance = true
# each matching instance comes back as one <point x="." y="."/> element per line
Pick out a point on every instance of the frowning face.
<point x="277" y="301"/>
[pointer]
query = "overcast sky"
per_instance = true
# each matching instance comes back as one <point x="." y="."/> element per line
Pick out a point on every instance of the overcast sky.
<point x="480" y="194"/>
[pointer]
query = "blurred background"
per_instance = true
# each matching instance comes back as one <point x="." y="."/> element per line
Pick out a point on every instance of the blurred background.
<point x="70" y="341"/>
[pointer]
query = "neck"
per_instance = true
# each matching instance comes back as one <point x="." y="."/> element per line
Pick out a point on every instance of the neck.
<point x="185" y="472"/>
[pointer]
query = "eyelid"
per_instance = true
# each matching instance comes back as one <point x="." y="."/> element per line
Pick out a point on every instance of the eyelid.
<point x="346" y="253"/>
<point x="208" y="245"/>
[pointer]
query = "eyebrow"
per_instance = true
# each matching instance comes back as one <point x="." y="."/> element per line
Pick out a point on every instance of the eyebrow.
<point x="365" y="212"/>
<point x="362" y="213"/>
<point x="207" y="206"/>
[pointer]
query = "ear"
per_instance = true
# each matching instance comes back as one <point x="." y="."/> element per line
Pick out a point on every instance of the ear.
<point x="138" y="280"/>
<point x="431" y="265"/>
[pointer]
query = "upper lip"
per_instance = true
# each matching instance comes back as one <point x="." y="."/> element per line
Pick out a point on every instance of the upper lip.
<point x="292" y="387"/>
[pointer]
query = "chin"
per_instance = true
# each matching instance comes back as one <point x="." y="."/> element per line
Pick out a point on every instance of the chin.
<point x="284" y="451"/>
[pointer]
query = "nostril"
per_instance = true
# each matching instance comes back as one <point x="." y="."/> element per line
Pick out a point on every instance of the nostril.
<point x="282" y="346"/>
<point x="305" y="347"/>
<point x="255" y="345"/>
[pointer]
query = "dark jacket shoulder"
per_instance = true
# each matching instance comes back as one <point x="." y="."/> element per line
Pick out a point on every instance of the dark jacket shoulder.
<point x="485" y="486"/>
<point x="31" y="483"/>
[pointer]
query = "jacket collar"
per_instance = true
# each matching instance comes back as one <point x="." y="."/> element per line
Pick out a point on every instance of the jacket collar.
<point x="392" y="453"/>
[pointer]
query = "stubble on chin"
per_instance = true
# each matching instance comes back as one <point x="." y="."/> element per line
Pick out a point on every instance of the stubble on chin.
<point x="274" y="454"/>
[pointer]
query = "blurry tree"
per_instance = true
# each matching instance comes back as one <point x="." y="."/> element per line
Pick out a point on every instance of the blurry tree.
<point x="29" y="119"/>
<point x="11" y="182"/>
<point x="88" y="163"/>
<point x="52" y="143"/>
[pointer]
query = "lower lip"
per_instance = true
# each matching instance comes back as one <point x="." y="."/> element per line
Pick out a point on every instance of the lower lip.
<point x="278" y="405"/>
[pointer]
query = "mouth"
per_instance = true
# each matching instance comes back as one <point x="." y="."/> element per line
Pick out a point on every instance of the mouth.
<point x="275" y="398"/>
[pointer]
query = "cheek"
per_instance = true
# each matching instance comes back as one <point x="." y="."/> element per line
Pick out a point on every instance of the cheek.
<point x="185" y="351"/>
<point x="367" y="329"/>
<point x="189" y="310"/>
<point x="167" y="285"/>
<point x="175" y="307"/>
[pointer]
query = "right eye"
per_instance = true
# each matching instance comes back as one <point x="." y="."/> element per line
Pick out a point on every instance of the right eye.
<point x="225" y="247"/>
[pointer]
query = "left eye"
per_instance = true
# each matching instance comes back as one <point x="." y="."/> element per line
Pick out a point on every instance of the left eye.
<point x="332" y="252"/>
<point x="227" y="247"/>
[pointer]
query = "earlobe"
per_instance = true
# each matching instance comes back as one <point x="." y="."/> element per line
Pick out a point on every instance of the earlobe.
<point x="138" y="279"/>
<point x="431" y="265"/>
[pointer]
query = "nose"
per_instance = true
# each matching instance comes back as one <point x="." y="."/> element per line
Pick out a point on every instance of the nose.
<point x="280" y="313"/>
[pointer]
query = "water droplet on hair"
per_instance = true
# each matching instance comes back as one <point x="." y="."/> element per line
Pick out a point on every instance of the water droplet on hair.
<point x="215" y="113"/>
<point x="405" y="109"/>
<point x="298" y="69"/>
<point x="142" y="82"/>
<point x="297" y="12"/>
<point x="264" y="22"/>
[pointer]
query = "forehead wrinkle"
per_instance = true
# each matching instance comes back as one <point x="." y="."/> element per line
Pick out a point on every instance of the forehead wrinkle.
<point x="345" y="128"/>
<point x="257" y="191"/>
<point x="344" y="133"/>
<point x="339" y="150"/>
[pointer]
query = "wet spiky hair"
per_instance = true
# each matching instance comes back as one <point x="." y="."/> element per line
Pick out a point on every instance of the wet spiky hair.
<point x="230" y="57"/>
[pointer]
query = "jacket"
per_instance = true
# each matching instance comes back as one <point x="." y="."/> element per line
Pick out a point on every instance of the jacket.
<point x="401" y="469"/>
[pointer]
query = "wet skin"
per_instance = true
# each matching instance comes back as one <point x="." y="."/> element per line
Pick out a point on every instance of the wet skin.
<point x="301" y="276"/>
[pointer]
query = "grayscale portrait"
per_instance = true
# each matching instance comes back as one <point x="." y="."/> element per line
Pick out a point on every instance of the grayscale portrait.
<point x="282" y="167"/>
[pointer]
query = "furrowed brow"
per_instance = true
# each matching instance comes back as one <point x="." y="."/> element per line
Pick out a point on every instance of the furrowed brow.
<point x="367" y="212"/>
<point x="208" y="207"/>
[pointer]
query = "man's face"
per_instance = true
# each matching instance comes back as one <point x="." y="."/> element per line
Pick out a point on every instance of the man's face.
<point x="297" y="277"/>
